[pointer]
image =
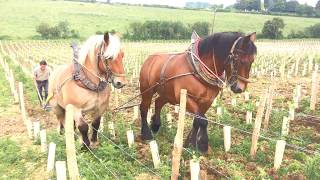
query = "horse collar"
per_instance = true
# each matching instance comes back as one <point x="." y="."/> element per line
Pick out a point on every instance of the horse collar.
<point x="80" y="77"/>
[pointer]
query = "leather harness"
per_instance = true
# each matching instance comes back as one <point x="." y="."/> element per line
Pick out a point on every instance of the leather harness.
<point x="81" y="78"/>
<point x="199" y="70"/>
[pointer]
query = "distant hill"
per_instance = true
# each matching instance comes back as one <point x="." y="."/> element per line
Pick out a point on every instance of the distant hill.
<point x="20" y="17"/>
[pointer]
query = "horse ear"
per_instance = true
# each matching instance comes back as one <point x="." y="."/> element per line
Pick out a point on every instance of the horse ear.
<point x="252" y="36"/>
<point x="106" y="37"/>
<point x="194" y="36"/>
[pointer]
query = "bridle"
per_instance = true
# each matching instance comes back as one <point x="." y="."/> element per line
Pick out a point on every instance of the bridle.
<point x="103" y="64"/>
<point x="233" y="59"/>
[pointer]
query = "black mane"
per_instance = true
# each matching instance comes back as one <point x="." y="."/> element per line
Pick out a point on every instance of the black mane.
<point x="221" y="43"/>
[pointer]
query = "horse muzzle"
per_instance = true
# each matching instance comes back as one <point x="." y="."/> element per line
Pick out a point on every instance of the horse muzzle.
<point x="236" y="89"/>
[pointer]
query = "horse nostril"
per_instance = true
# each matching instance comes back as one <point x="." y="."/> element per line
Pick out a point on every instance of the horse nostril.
<point x="118" y="83"/>
<point x="236" y="89"/>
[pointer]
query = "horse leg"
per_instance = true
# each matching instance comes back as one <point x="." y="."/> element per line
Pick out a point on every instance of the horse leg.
<point x="156" y="120"/>
<point x="83" y="127"/>
<point x="198" y="136"/>
<point x="202" y="134"/>
<point x="60" y="113"/>
<point x="144" y="106"/>
<point x="95" y="127"/>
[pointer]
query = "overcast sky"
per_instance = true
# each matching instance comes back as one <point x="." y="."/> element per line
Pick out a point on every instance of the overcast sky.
<point x="181" y="3"/>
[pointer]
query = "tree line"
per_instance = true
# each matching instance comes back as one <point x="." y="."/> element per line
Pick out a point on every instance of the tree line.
<point x="279" y="6"/>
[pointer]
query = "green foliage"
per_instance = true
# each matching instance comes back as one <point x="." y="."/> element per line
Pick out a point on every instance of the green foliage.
<point x="273" y="28"/>
<point x="312" y="169"/>
<point x="62" y="30"/>
<point x="313" y="31"/>
<point x="17" y="163"/>
<point x="248" y="5"/>
<point x="28" y="85"/>
<point x="88" y="18"/>
<point x="243" y="149"/>
<point x="165" y="30"/>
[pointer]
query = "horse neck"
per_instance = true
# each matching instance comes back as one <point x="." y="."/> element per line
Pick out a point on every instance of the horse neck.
<point x="91" y="65"/>
<point x="214" y="64"/>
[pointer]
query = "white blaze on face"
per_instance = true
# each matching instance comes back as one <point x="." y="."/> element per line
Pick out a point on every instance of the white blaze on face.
<point x="113" y="48"/>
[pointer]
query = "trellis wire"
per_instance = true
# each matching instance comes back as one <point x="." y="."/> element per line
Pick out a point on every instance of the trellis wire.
<point x="114" y="144"/>
<point x="263" y="137"/>
<point x="113" y="174"/>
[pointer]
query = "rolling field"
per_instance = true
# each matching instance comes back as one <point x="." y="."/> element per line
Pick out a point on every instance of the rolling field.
<point x="19" y="18"/>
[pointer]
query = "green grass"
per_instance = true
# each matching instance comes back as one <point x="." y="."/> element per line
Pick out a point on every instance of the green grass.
<point x="28" y="86"/>
<point x="19" y="18"/>
<point x="16" y="162"/>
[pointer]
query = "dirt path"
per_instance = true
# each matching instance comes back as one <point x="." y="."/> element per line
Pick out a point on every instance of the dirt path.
<point x="11" y="122"/>
<point x="13" y="128"/>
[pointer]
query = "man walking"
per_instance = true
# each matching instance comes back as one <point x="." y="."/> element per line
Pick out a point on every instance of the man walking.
<point x="41" y="76"/>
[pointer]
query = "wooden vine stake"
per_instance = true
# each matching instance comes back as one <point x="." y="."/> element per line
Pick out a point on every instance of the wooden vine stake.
<point x="155" y="154"/>
<point x="26" y="121"/>
<point x="70" y="144"/>
<point x="43" y="140"/>
<point x="227" y="137"/>
<point x="111" y="129"/>
<point x="178" y="140"/>
<point x="22" y="106"/>
<point x="281" y="144"/>
<point x="257" y="126"/>
<point x="195" y="169"/>
<point x="285" y="126"/>
<point x="314" y="90"/>
<point x="249" y="117"/>
<point x="61" y="170"/>
<point x="149" y="115"/>
<point x="36" y="130"/>
<point x="269" y="109"/>
<point x="51" y="156"/>
<point x="130" y="138"/>
<point x="291" y="113"/>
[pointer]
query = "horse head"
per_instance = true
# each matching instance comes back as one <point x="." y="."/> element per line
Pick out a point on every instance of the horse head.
<point x="111" y="60"/>
<point x="240" y="59"/>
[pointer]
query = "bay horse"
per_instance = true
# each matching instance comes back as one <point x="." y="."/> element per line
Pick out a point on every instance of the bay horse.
<point x="85" y="83"/>
<point x="202" y="71"/>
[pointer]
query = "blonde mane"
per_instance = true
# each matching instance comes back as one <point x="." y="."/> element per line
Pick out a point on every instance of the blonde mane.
<point x="92" y="43"/>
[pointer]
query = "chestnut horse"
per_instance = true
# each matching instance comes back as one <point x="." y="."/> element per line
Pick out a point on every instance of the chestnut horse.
<point x="84" y="83"/>
<point x="201" y="71"/>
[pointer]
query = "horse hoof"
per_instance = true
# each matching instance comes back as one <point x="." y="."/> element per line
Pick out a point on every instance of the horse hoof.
<point x="61" y="131"/>
<point x="94" y="145"/>
<point x="146" y="136"/>
<point x="155" y="127"/>
<point x="85" y="148"/>
<point x="203" y="147"/>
